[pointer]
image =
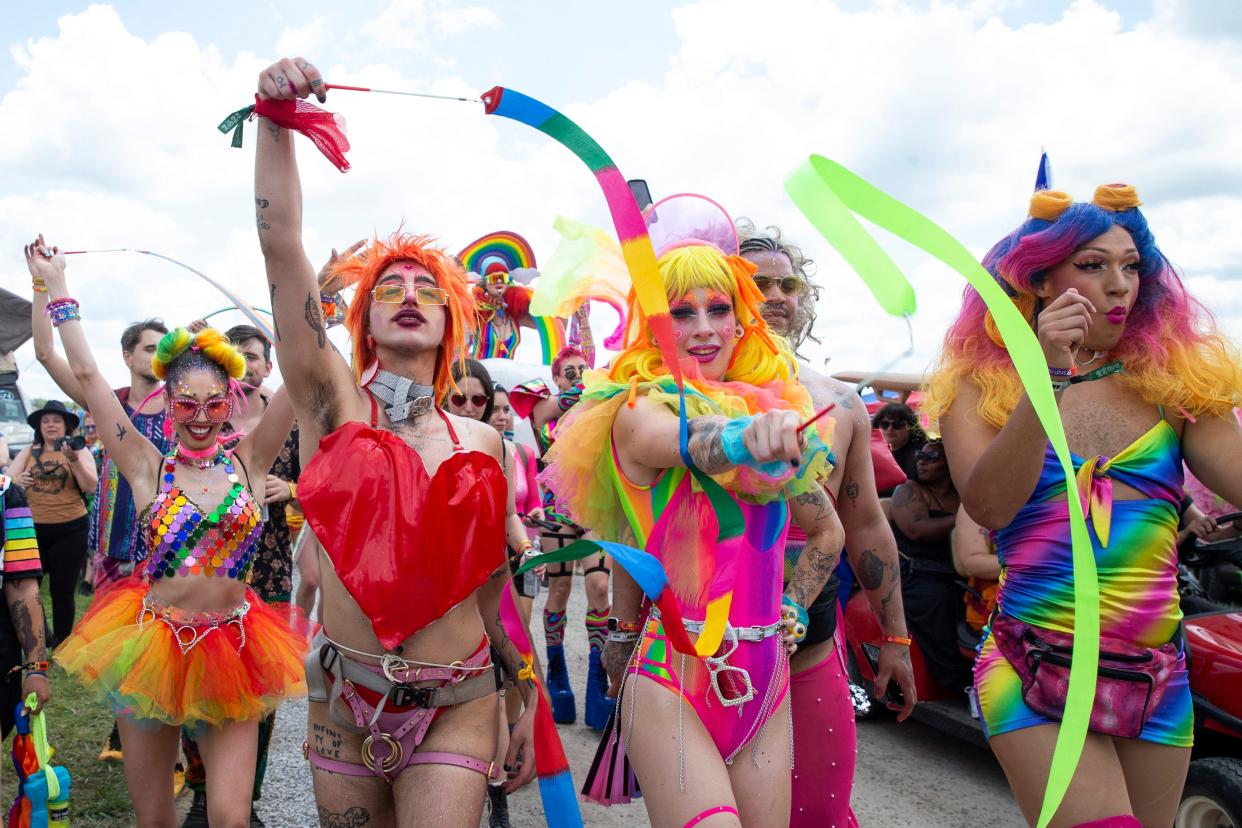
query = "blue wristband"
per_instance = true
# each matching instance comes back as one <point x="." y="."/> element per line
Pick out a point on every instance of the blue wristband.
<point x="735" y="449"/>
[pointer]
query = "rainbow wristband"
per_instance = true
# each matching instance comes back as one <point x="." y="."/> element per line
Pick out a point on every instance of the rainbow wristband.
<point x="63" y="310"/>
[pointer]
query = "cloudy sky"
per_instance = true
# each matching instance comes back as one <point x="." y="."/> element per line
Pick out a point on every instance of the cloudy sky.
<point x="109" y="139"/>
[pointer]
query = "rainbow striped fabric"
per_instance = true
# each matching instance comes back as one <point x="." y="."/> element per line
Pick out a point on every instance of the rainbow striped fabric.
<point x="21" y="549"/>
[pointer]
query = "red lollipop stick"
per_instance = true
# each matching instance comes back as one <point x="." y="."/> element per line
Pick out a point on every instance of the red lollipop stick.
<point x="817" y="415"/>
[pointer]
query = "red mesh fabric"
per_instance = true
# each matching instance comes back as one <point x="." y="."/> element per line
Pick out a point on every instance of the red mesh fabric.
<point x="325" y="129"/>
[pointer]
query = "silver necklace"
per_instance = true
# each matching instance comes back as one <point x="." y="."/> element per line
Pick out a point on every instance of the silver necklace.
<point x="1082" y="364"/>
<point x="404" y="397"/>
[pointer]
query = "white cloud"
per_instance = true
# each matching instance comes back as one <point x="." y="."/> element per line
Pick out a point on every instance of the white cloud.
<point x="454" y="21"/>
<point x="412" y="23"/>
<point x="306" y="39"/>
<point x="944" y="106"/>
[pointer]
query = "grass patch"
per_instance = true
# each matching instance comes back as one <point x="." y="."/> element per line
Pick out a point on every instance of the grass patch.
<point x="77" y="727"/>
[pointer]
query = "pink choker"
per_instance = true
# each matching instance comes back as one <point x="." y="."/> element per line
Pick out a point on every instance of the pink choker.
<point x="202" y="458"/>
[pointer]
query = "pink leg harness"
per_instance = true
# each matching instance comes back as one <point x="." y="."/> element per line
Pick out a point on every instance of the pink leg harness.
<point x="393" y="738"/>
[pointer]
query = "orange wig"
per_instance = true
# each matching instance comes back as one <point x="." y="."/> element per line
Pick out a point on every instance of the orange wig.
<point x="364" y="271"/>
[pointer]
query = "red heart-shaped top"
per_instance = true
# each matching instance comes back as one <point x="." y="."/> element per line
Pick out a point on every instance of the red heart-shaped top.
<point x="407" y="547"/>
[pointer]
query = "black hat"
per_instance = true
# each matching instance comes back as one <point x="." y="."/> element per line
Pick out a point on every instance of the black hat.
<point x="54" y="407"/>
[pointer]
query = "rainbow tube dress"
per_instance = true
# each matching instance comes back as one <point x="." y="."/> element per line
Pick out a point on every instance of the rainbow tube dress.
<point x="1135" y="546"/>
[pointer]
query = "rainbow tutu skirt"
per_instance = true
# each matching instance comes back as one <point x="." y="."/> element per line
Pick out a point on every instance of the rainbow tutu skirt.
<point x="155" y="662"/>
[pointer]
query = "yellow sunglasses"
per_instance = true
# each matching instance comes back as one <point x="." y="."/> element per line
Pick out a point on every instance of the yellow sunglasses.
<point x="394" y="294"/>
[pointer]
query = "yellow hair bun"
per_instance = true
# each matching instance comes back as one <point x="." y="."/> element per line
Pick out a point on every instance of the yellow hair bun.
<point x="220" y="351"/>
<point x="1048" y="205"/>
<point x="1116" y="197"/>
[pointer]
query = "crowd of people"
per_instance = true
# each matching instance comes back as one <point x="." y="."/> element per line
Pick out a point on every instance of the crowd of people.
<point x="417" y="515"/>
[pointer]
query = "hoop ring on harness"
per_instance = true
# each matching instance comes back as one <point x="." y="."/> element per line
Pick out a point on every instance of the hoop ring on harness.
<point x="390" y="762"/>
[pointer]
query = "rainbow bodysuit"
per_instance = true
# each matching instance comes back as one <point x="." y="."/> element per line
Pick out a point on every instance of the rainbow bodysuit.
<point x="1135" y="546"/>
<point x="754" y="670"/>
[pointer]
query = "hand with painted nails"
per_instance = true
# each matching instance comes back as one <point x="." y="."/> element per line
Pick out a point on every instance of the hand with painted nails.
<point x="1062" y="327"/>
<point x="291" y="78"/>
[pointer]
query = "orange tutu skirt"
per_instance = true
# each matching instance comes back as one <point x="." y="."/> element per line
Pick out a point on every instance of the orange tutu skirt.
<point x="156" y="662"/>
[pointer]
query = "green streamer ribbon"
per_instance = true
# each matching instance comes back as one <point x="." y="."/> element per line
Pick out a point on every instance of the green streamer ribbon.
<point x="234" y="124"/>
<point x="830" y="196"/>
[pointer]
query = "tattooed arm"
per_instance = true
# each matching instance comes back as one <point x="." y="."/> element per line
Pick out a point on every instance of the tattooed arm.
<point x="320" y="383"/>
<point x="814" y="513"/>
<point x="647" y="435"/>
<point x="522" y="739"/>
<point x="22" y="597"/>
<point x="913" y="517"/>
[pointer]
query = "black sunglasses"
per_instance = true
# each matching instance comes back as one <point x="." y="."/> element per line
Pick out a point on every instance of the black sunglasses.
<point x="929" y="456"/>
<point x="896" y="424"/>
<point x="477" y="400"/>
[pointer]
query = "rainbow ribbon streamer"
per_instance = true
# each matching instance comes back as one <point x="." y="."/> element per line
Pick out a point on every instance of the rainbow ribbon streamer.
<point x="626" y="217"/>
<point x="238" y="302"/>
<point x="551" y="336"/>
<point x="829" y="195"/>
<point x="648" y="286"/>
<point x="556" y="786"/>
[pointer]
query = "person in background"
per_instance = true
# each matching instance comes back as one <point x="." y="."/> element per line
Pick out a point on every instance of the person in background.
<point x="23" y="652"/>
<point x="901" y="430"/>
<point x="974" y="558"/>
<point x="820" y="698"/>
<point x="55" y="471"/>
<point x="924" y="512"/>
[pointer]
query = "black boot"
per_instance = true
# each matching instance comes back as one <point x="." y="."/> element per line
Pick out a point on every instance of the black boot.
<point x="499" y="800"/>
<point x="196" y="817"/>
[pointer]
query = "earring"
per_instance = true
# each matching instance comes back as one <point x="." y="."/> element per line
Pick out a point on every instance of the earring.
<point x="739" y="332"/>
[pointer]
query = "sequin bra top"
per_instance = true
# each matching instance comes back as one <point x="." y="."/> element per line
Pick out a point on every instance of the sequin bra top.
<point x="184" y="540"/>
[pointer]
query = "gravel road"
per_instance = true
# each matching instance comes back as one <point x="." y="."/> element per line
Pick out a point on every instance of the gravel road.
<point x="908" y="775"/>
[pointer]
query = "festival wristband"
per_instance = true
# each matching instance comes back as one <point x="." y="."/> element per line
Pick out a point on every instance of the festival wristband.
<point x="897" y="639"/>
<point x="795" y="616"/>
<point x="617" y="625"/>
<point x="1060" y="372"/>
<point x="63" y="310"/>
<point x="735" y="449"/>
<point x="293" y="490"/>
<point x="623" y="637"/>
<point x="40" y="667"/>
<point x="329" y="303"/>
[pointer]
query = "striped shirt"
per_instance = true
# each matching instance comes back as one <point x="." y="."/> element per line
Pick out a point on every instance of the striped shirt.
<point x="20" y="549"/>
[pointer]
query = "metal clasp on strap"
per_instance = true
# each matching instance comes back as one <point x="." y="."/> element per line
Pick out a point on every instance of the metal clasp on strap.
<point x="407" y="695"/>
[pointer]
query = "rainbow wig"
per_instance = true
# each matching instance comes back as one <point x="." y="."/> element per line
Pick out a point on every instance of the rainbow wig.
<point x="365" y="270"/>
<point x="758" y="358"/>
<point x="179" y="350"/>
<point x="1173" y="353"/>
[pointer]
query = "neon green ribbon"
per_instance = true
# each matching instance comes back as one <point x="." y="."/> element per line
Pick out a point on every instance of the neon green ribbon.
<point x="830" y="196"/>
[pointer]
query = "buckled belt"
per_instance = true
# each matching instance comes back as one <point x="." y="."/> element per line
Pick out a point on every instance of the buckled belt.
<point x="752" y="634"/>
<point x="326" y="658"/>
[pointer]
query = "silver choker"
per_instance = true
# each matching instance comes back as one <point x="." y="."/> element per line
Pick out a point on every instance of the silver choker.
<point x="404" y="397"/>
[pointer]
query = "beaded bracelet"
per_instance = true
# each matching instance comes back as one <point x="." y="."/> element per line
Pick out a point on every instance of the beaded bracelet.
<point x="62" y="311"/>
<point x="330" y="304"/>
<point x="38" y="285"/>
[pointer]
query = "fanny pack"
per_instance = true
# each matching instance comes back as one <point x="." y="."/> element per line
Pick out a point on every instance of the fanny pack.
<point x="1130" y="682"/>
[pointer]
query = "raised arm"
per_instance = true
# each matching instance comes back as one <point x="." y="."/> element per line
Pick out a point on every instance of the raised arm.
<point x="56" y="365"/>
<point x="83" y="469"/>
<point x="259" y="448"/>
<point x="319" y="381"/>
<point x="133" y="453"/>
